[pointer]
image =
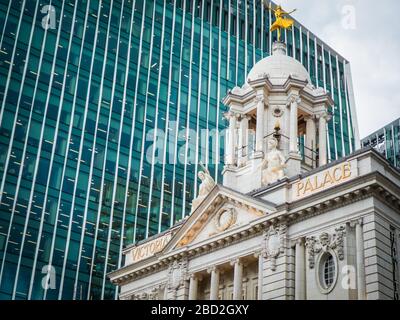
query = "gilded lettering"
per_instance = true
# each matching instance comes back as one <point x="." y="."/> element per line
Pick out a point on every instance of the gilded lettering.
<point x="135" y="254"/>
<point x="300" y="187"/>
<point x="150" y="248"/>
<point x="323" y="180"/>
<point x="346" y="170"/>
<point x="335" y="175"/>
<point x="316" y="185"/>
<point x="327" y="179"/>
<point x="308" y="187"/>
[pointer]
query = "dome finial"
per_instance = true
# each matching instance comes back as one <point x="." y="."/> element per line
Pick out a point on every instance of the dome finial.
<point x="281" y="22"/>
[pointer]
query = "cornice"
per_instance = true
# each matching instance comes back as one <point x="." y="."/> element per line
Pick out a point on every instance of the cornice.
<point x="256" y="228"/>
<point x="372" y="185"/>
<point x="233" y="97"/>
<point x="372" y="190"/>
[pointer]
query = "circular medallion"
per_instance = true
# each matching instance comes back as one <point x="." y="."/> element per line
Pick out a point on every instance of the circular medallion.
<point x="225" y="219"/>
<point x="277" y="111"/>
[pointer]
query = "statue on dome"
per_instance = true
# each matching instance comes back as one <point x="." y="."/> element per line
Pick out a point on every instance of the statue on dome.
<point x="206" y="185"/>
<point x="281" y="22"/>
<point x="273" y="165"/>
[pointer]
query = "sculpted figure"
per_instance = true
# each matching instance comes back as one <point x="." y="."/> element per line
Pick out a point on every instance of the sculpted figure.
<point x="273" y="165"/>
<point x="206" y="185"/>
<point x="207" y="182"/>
<point x="281" y="22"/>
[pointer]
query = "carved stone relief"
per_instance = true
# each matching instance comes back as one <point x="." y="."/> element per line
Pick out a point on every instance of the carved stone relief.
<point x="177" y="274"/>
<point x="274" y="243"/>
<point x="152" y="294"/>
<point x="225" y="219"/>
<point x="277" y="111"/>
<point x="326" y="242"/>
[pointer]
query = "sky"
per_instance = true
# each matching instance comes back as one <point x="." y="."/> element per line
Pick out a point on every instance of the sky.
<point x="367" y="34"/>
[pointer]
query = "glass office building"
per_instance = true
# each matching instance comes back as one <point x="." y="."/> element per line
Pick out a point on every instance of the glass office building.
<point x="84" y="84"/>
<point x="386" y="141"/>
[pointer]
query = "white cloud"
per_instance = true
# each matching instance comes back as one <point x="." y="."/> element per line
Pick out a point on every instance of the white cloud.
<point x="372" y="48"/>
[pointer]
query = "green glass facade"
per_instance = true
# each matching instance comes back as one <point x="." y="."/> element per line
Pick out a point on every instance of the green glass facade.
<point x="386" y="141"/>
<point x="79" y="100"/>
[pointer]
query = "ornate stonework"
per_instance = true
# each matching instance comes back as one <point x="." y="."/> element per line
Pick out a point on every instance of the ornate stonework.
<point x="326" y="242"/>
<point x="207" y="184"/>
<point x="225" y="219"/>
<point x="152" y="294"/>
<point x="273" y="165"/>
<point x="177" y="274"/>
<point x="274" y="243"/>
<point x="277" y="111"/>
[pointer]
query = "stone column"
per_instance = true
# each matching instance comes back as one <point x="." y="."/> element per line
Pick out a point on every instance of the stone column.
<point x="310" y="140"/>
<point x="214" y="285"/>
<point x="193" y="287"/>
<point x="300" y="270"/>
<point x="237" y="279"/>
<point x="232" y="138"/>
<point x="243" y="140"/>
<point x="361" y="290"/>
<point x="398" y="247"/>
<point x="323" y="157"/>
<point x="260" y="125"/>
<point x="266" y="121"/>
<point x="294" y="103"/>
<point x="259" y="256"/>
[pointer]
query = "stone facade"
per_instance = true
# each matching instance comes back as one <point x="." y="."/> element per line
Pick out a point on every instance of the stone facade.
<point x="277" y="250"/>
<point x="311" y="230"/>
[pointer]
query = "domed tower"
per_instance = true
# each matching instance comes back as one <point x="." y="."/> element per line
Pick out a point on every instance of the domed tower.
<point x="277" y="124"/>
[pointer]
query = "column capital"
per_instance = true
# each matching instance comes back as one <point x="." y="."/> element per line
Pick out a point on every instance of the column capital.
<point x="230" y="114"/>
<point x="215" y="269"/>
<point x="212" y="269"/>
<point x="245" y="117"/>
<point x="309" y="117"/>
<point x="259" y="98"/>
<point x="354" y="223"/>
<point x="194" y="276"/>
<point x="235" y="261"/>
<point x="294" y="98"/>
<point x="324" y="115"/>
<point x="300" y="241"/>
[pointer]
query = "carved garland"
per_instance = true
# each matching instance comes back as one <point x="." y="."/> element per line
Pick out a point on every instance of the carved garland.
<point x="224" y="225"/>
<point x="153" y="294"/>
<point x="324" y="243"/>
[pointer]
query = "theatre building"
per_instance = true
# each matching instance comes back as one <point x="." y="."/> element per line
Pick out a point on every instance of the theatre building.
<point x="285" y="223"/>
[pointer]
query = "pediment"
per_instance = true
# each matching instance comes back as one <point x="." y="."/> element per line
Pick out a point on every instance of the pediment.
<point x="222" y="211"/>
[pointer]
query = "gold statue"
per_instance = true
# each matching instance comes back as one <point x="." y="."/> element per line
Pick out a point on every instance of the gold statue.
<point x="281" y="22"/>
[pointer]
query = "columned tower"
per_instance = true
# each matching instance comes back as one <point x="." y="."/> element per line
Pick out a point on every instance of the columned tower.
<point x="277" y="113"/>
